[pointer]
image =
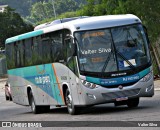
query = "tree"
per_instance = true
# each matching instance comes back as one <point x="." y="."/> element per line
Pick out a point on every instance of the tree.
<point x="41" y="10"/>
<point x="22" y="6"/>
<point x="149" y="12"/>
<point x="103" y="7"/>
<point x="11" y="24"/>
<point x="62" y="6"/>
<point x="44" y="10"/>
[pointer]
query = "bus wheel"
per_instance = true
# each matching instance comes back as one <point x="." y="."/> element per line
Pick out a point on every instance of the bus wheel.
<point x="35" y="109"/>
<point x="45" y="108"/>
<point x="133" y="102"/>
<point x="69" y="102"/>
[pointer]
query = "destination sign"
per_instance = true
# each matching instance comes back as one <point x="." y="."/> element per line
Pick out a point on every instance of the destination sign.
<point x="94" y="34"/>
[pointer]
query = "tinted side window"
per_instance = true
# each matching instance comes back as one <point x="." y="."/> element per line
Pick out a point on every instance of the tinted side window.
<point x="19" y="47"/>
<point x="46" y="49"/>
<point x="28" y="52"/>
<point x="56" y="46"/>
<point x="37" y="51"/>
<point x="66" y="51"/>
<point x="10" y="55"/>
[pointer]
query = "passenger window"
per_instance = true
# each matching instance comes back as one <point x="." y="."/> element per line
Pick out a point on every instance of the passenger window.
<point x="28" y="52"/>
<point x="56" y="46"/>
<point x="10" y="55"/>
<point x="46" y="49"/>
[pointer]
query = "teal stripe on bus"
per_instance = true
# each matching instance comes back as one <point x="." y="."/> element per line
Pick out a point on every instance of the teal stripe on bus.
<point x="24" y="36"/>
<point x="119" y="80"/>
<point x="40" y="71"/>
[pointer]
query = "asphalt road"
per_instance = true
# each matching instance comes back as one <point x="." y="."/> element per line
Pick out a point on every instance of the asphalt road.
<point x="148" y="110"/>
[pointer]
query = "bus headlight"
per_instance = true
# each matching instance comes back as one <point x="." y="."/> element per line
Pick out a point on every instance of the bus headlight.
<point x="147" y="77"/>
<point x="88" y="84"/>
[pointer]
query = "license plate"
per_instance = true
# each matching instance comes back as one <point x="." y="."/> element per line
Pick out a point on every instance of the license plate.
<point x="121" y="98"/>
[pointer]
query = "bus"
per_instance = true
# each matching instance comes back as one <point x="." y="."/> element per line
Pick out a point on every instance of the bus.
<point x="80" y="63"/>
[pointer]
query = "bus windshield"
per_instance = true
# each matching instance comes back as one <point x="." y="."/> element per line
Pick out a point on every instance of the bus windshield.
<point x="112" y="49"/>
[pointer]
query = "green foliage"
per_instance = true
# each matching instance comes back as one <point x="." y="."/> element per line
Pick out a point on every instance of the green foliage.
<point x="103" y="7"/>
<point x="68" y="15"/>
<point x="64" y="15"/>
<point x="149" y="12"/>
<point x="62" y="6"/>
<point x="11" y="24"/>
<point x="41" y="10"/>
<point x="1" y="55"/>
<point x="44" y="10"/>
<point x="21" y="7"/>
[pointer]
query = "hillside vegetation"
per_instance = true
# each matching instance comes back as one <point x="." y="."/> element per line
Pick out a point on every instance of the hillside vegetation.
<point x="40" y="11"/>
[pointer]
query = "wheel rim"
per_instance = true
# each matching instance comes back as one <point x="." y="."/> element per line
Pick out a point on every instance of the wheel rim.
<point x="69" y="101"/>
<point x="33" y="105"/>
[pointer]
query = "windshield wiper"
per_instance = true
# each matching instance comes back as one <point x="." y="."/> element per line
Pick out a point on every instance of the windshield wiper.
<point x="107" y="61"/>
<point x="121" y="55"/>
<point x="131" y="45"/>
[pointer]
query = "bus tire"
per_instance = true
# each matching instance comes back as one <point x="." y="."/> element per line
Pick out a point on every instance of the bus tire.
<point x="35" y="109"/>
<point x="131" y="103"/>
<point x="45" y="108"/>
<point x="69" y="102"/>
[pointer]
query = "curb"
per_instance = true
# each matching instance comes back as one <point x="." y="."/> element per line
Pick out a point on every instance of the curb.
<point x="3" y="79"/>
<point x="157" y="89"/>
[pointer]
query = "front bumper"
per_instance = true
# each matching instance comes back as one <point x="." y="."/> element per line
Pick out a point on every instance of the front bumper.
<point x="107" y="95"/>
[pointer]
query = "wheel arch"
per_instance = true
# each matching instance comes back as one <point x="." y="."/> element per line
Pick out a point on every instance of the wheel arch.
<point x="29" y="89"/>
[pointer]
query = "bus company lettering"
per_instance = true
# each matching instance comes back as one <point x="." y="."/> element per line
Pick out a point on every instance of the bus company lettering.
<point x="104" y="50"/>
<point x="131" y="78"/>
<point x="104" y="81"/>
<point x="86" y="52"/>
<point x="118" y="74"/>
<point x="100" y="50"/>
<point x="42" y="79"/>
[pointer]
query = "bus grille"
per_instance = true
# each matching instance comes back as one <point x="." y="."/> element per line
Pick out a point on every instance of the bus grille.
<point x="125" y="93"/>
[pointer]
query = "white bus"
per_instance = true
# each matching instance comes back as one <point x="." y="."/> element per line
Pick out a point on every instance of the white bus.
<point x="82" y="62"/>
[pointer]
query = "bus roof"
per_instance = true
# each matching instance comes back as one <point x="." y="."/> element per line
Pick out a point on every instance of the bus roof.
<point x="58" y="21"/>
<point x="87" y="23"/>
